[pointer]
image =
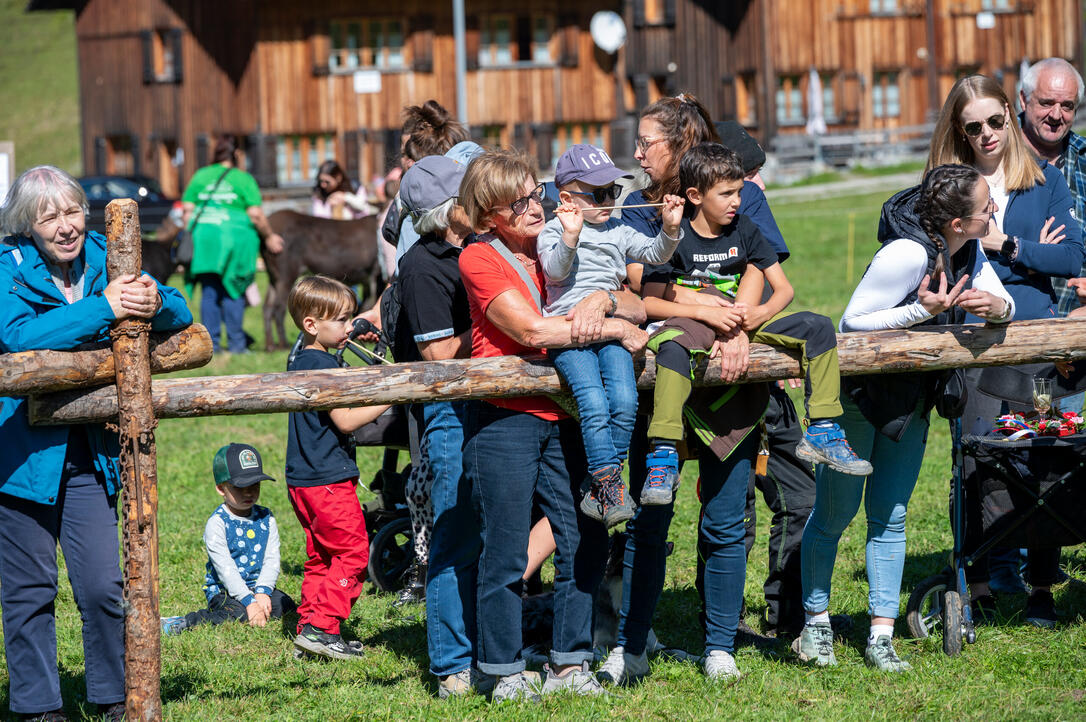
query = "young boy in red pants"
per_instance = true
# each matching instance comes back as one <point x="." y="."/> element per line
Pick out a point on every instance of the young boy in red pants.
<point x="322" y="475"/>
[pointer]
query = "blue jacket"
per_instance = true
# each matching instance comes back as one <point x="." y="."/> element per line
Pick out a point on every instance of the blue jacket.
<point x="1027" y="278"/>
<point x="35" y="315"/>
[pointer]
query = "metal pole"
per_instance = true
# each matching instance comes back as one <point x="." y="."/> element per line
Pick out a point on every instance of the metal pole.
<point x="459" y="29"/>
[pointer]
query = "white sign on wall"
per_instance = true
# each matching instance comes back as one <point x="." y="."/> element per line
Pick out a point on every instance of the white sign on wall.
<point x="985" y="21"/>
<point x="367" y="81"/>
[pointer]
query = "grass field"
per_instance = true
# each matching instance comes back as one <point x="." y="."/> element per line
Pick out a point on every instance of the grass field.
<point x="236" y="672"/>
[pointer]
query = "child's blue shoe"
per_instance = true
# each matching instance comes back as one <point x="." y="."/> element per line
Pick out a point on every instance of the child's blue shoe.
<point x="662" y="477"/>
<point x="173" y="625"/>
<point x="825" y="443"/>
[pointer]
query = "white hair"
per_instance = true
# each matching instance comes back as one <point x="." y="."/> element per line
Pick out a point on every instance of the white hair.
<point x="1033" y="75"/>
<point x="32" y="192"/>
<point x="435" y="220"/>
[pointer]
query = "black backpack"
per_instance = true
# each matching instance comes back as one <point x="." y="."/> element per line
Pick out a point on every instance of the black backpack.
<point x="392" y="321"/>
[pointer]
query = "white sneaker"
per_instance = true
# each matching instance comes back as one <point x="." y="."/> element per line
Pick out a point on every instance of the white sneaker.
<point x="719" y="665"/>
<point x="621" y="668"/>
<point x="515" y="687"/>
<point x="579" y="681"/>
<point x="463" y="682"/>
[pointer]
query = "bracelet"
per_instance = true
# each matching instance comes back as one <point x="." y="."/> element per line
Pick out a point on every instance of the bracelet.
<point x="1006" y="312"/>
<point x="614" y="303"/>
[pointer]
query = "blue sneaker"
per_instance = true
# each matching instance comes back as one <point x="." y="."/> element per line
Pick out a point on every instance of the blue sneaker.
<point x="662" y="477"/>
<point x="173" y="625"/>
<point x="825" y="443"/>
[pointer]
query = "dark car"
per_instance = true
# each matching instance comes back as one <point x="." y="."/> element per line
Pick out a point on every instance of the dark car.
<point x="154" y="206"/>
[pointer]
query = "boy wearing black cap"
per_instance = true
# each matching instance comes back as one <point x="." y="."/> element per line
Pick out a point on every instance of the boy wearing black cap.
<point x="242" y="542"/>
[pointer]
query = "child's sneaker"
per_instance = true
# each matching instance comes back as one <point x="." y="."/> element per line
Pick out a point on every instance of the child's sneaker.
<point x="825" y="443"/>
<point x="173" y="625"/>
<point x="317" y="641"/>
<point x="607" y="499"/>
<point x="720" y="666"/>
<point x="621" y="668"/>
<point x="579" y="681"/>
<point x="661" y="478"/>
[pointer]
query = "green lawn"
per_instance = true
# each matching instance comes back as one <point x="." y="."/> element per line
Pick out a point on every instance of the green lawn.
<point x="236" y="672"/>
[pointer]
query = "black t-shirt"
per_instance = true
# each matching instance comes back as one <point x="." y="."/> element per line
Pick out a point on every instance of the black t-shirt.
<point x="699" y="262"/>
<point x="317" y="452"/>
<point x="435" y="305"/>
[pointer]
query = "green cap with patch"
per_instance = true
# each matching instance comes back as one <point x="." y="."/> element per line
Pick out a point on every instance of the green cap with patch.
<point x="238" y="464"/>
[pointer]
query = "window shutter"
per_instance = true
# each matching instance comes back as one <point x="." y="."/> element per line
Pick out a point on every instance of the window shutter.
<point x="320" y="45"/>
<point x="351" y="153"/>
<point x="100" y="155"/>
<point x="177" y="44"/>
<point x="669" y="13"/>
<point x="422" y="43"/>
<point x="137" y="157"/>
<point x="471" y="41"/>
<point x="543" y="134"/>
<point x="203" y="151"/>
<point x="261" y="158"/>
<point x="148" y="49"/>
<point x="570" y="33"/>
<point x="639" y="13"/>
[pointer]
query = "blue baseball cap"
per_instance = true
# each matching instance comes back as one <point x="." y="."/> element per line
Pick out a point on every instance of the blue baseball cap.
<point x="588" y="164"/>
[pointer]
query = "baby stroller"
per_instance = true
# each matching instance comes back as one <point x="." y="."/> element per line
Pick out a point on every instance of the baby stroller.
<point x="1025" y="496"/>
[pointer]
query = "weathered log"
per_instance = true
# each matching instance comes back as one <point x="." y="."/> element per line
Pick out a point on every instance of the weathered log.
<point x="927" y="348"/>
<point x="37" y="372"/>
<point x="139" y="477"/>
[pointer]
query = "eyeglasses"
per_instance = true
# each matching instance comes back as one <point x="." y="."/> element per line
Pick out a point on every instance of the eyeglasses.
<point x="988" y="210"/>
<point x="603" y="193"/>
<point x="644" y="142"/>
<point x="520" y="205"/>
<point x="995" y="122"/>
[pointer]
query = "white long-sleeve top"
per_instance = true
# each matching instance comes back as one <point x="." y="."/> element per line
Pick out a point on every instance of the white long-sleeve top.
<point x="895" y="272"/>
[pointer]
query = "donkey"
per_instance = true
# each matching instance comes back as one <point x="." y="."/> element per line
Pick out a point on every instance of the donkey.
<point x="345" y="250"/>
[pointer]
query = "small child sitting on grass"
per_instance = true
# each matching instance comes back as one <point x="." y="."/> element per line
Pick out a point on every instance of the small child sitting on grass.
<point x="583" y="250"/>
<point x="322" y="476"/>
<point x="725" y="255"/>
<point x="242" y="542"/>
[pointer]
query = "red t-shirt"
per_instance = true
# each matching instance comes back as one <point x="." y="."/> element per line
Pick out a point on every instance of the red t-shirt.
<point x="486" y="275"/>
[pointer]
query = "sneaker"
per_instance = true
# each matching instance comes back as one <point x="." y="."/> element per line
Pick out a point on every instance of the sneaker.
<point x="579" y="681"/>
<point x="515" y="687"/>
<point x="880" y="654"/>
<point x="173" y="625"/>
<point x="414" y="586"/>
<point x="464" y="682"/>
<point x="607" y="499"/>
<point x="720" y="666"/>
<point x="825" y="443"/>
<point x="814" y="645"/>
<point x="661" y="478"/>
<point x="621" y="668"/>
<point x="317" y="641"/>
<point x="984" y="609"/>
<point x="1041" y="609"/>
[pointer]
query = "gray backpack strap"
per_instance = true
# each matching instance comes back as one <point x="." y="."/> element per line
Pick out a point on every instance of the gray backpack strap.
<point x="504" y="252"/>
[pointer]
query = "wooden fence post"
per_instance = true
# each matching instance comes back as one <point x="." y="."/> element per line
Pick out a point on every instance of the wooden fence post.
<point x="139" y="476"/>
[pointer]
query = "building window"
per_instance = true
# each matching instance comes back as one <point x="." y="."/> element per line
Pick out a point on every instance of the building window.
<point x="506" y="40"/>
<point x="120" y="155"/>
<point x="997" y="5"/>
<point x="886" y="95"/>
<point x="883" y="7"/>
<point x="654" y="12"/>
<point x="542" y="31"/>
<point x="829" y="101"/>
<point x="746" y="100"/>
<point x="789" y="100"/>
<point x="366" y="43"/>
<point x="567" y="134"/>
<point x="297" y="157"/>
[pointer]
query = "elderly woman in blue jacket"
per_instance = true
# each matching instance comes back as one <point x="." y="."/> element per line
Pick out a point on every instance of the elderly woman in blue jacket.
<point x="60" y="483"/>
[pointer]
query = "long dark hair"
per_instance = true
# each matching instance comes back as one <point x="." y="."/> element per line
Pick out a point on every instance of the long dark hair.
<point x="945" y="194"/>
<point x="684" y="122"/>
<point x="334" y="169"/>
<point x="226" y="148"/>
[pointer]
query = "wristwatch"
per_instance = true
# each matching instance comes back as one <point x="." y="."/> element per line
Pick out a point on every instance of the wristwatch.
<point x="614" y="303"/>
<point x="1009" y="247"/>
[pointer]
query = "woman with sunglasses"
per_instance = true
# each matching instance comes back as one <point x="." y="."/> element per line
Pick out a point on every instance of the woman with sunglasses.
<point x="1033" y="236"/>
<point x="520" y="449"/>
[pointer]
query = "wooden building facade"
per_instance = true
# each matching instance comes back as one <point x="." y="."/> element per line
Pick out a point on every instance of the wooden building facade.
<point x="302" y="82"/>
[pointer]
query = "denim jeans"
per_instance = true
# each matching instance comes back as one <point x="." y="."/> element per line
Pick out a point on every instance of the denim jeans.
<point x="602" y="380"/>
<point x="216" y="308"/>
<point x="454" y="545"/>
<point x="512" y="457"/>
<point x="886" y="496"/>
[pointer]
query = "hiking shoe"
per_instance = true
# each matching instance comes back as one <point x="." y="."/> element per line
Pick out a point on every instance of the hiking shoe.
<point x="464" y="682"/>
<point x="622" y="668"/>
<point x="661" y="478"/>
<point x="720" y="666"/>
<point x="173" y="625"/>
<point x="515" y="687"/>
<point x="815" y="645"/>
<point x="317" y="641"/>
<point x="825" y="443"/>
<point x="880" y="654"/>
<point x="1041" y="609"/>
<point x="579" y="681"/>
<point x="984" y="609"/>
<point x="414" y="586"/>
<point x="607" y="499"/>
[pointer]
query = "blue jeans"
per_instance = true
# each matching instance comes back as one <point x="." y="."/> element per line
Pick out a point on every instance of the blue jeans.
<point x="84" y="521"/>
<point x="601" y="378"/>
<point x="511" y="458"/>
<point x="1070" y="403"/>
<point x="886" y="496"/>
<point x="454" y="544"/>
<point x="216" y="308"/>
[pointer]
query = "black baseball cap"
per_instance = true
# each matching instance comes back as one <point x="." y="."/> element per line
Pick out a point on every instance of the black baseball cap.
<point x="238" y="464"/>
<point x="735" y="138"/>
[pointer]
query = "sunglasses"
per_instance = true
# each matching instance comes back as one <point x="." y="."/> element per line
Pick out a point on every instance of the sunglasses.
<point x="520" y="205"/>
<point x="603" y="193"/>
<point x="644" y="142"/>
<point x="995" y="122"/>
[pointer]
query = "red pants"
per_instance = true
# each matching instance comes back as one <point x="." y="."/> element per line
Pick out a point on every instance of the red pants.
<point x="337" y="552"/>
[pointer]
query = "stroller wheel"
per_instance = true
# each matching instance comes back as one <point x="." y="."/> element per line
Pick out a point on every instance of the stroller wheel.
<point x="924" y="612"/>
<point x="391" y="552"/>
<point x="952" y="624"/>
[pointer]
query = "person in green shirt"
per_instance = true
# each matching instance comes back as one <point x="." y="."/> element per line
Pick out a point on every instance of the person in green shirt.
<point x="223" y="212"/>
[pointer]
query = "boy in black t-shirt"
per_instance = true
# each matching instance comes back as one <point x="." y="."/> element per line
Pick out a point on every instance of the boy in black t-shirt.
<point x="723" y="263"/>
<point x="322" y="476"/>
